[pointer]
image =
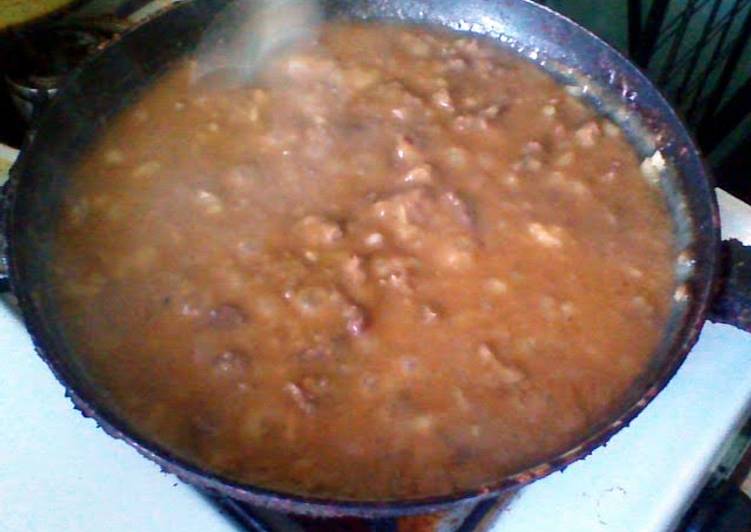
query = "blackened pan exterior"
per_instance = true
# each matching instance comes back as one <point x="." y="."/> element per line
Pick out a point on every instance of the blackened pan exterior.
<point x="109" y="80"/>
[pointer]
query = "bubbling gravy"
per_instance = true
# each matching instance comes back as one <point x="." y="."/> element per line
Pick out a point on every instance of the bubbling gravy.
<point x="402" y="262"/>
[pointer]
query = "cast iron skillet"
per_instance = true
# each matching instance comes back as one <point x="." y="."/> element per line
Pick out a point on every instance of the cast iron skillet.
<point x="108" y="81"/>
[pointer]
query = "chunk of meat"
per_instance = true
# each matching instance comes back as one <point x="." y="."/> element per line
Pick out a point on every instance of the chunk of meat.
<point x="456" y="158"/>
<point x="505" y="372"/>
<point x="232" y="363"/>
<point x="113" y="157"/>
<point x="314" y="300"/>
<point x="226" y="316"/>
<point x="359" y="78"/>
<point x="393" y="270"/>
<point x="469" y="123"/>
<point x="416" y="45"/>
<point x="305" y="68"/>
<point x="240" y="178"/>
<point x="325" y="351"/>
<point x="317" y="231"/>
<point x="406" y="150"/>
<point x="442" y="99"/>
<point x="373" y="240"/>
<point x="496" y="286"/>
<point x="357" y="319"/>
<point x="422" y="174"/>
<point x="588" y="135"/>
<point x="437" y="226"/>
<point x="428" y="314"/>
<point x="401" y="213"/>
<point x="353" y="271"/>
<point x="534" y="156"/>
<point x="300" y="397"/>
<point x="317" y="353"/>
<point x="550" y="236"/>
<point x="147" y="169"/>
<point x="401" y="103"/>
<point x="410" y="215"/>
<point x="459" y="207"/>
<point x="329" y="306"/>
<point x="454" y="253"/>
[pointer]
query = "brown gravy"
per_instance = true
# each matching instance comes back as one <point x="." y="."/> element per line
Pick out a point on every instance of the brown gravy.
<point x="404" y="263"/>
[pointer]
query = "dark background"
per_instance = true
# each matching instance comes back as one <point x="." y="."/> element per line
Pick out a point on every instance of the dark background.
<point x="699" y="53"/>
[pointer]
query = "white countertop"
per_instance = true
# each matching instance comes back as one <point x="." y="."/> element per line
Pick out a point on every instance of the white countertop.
<point x="59" y="472"/>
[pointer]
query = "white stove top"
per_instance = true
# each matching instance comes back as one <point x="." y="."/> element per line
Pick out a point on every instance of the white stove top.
<point x="58" y="471"/>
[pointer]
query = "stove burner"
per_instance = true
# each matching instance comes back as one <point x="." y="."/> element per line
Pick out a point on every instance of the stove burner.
<point x="39" y="59"/>
<point x="466" y="517"/>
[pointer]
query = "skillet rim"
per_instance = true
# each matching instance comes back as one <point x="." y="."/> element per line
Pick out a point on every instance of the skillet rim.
<point x="706" y="279"/>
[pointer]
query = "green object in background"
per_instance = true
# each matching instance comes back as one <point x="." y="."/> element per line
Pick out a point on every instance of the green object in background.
<point x="606" y="18"/>
<point x="698" y="52"/>
<point x="7" y="158"/>
<point x="15" y="12"/>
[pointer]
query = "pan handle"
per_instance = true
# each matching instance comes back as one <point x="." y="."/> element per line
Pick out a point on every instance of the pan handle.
<point x="732" y="301"/>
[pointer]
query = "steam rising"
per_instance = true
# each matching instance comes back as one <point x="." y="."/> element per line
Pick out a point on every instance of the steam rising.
<point x="246" y="33"/>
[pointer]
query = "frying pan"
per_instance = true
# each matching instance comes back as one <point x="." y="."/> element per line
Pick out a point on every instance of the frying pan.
<point x="712" y="276"/>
